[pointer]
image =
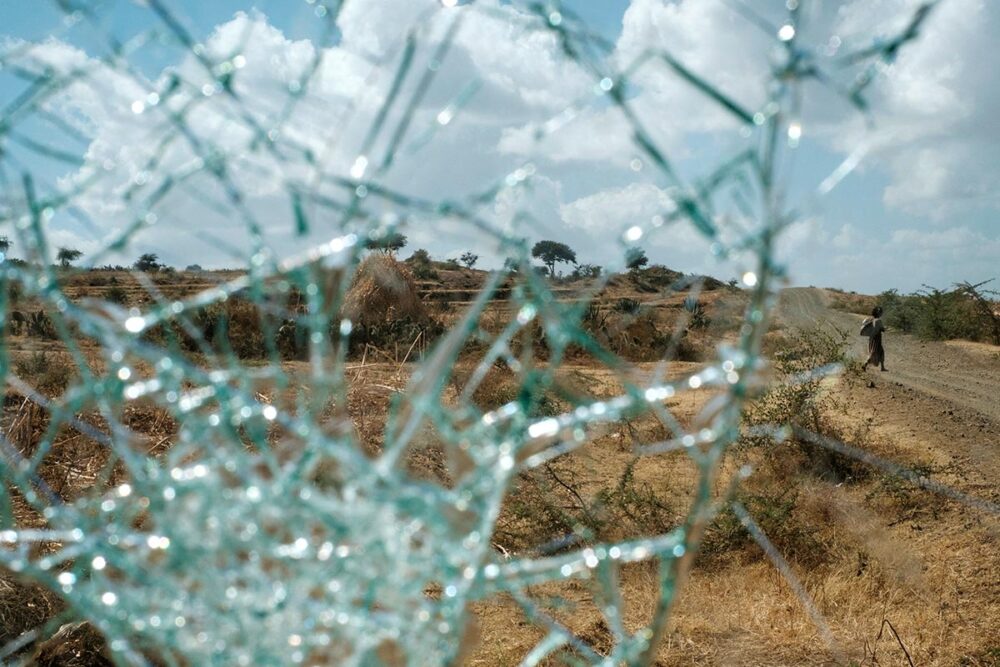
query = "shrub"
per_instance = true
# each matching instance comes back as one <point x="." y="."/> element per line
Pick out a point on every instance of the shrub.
<point x="775" y="514"/>
<point x="697" y="317"/>
<point x="965" y="311"/>
<point x="422" y="265"/>
<point x="548" y="510"/>
<point x="48" y="377"/>
<point x="586" y="271"/>
<point x="117" y="295"/>
<point x="795" y="398"/>
<point x="626" y="305"/>
<point x="635" y="506"/>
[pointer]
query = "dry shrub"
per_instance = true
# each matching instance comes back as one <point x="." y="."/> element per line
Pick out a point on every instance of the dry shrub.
<point x="852" y="302"/>
<point x="24" y="607"/>
<point x="545" y="510"/>
<point x="234" y="324"/>
<point x="776" y="510"/>
<point x="27" y="426"/>
<point x="48" y="372"/>
<point x="501" y="386"/>
<point x="628" y="330"/>
<point x="383" y="290"/>
<point x="74" y="645"/>
<point x="634" y="509"/>
<point x="549" y="509"/>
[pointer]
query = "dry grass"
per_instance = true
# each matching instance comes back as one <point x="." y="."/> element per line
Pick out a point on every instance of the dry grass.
<point x="866" y="548"/>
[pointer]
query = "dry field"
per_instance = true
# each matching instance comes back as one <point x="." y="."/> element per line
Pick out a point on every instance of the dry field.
<point x="897" y="572"/>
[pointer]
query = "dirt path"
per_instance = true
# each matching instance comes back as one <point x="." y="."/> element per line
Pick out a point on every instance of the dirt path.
<point x="960" y="377"/>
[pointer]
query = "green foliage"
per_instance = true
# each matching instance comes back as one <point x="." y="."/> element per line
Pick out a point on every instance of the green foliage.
<point x="795" y="396"/>
<point x="586" y="271"/>
<point x="422" y="265"/>
<point x="636" y="505"/>
<point x="776" y="513"/>
<point x="553" y="252"/>
<point x="965" y="311"/>
<point x="147" y="262"/>
<point x="48" y="375"/>
<point x="697" y="317"/>
<point x="549" y="503"/>
<point x="626" y="305"/>
<point x="66" y="256"/>
<point x="116" y="294"/>
<point x="388" y="243"/>
<point x="469" y="259"/>
<point x="635" y="258"/>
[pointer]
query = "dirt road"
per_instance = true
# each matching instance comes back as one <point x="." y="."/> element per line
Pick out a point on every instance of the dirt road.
<point x="965" y="377"/>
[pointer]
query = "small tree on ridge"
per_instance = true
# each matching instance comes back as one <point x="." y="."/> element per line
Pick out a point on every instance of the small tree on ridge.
<point x="469" y="259"/>
<point x="635" y="259"/>
<point x="66" y="256"/>
<point x="147" y="262"/>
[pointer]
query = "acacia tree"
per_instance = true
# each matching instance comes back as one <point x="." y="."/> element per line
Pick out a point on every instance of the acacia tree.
<point x="983" y="305"/>
<point x="388" y="244"/>
<point x="66" y="256"/>
<point x="551" y="252"/>
<point x="469" y="259"/>
<point x="147" y="262"/>
<point x="635" y="259"/>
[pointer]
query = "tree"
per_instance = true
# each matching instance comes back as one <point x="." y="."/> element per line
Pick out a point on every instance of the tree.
<point x="551" y="252"/>
<point x="387" y="243"/>
<point x="635" y="259"/>
<point x="420" y="256"/>
<point x="147" y="262"/>
<point x="67" y="256"/>
<point x="469" y="259"/>
<point x="194" y="267"/>
<point x="422" y="264"/>
<point x="4" y="244"/>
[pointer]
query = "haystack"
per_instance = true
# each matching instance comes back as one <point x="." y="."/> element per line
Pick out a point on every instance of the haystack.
<point x="383" y="290"/>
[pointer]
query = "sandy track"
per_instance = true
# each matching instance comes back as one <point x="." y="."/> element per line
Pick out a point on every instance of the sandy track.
<point x="958" y="377"/>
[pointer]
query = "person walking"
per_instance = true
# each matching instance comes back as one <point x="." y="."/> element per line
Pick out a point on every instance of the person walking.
<point x="873" y="328"/>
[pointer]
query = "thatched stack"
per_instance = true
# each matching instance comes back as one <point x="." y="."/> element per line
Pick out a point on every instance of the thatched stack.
<point x="383" y="290"/>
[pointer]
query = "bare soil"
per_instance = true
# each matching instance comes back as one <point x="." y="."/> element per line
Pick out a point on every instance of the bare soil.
<point x="959" y="374"/>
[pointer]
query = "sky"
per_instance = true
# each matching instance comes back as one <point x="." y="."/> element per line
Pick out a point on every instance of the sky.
<point x="920" y="209"/>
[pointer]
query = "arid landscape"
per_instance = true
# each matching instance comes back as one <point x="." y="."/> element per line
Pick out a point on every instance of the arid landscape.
<point x="897" y="572"/>
<point x="499" y="332"/>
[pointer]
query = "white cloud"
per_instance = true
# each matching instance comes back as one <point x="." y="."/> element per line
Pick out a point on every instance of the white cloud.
<point x="936" y="109"/>
<point x="597" y="223"/>
<point x="934" y="145"/>
<point x="846" y="237"/>
<point x="591" y="136"/>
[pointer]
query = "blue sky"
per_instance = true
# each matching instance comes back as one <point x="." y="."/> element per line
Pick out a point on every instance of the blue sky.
<point x="921" y="209"/>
